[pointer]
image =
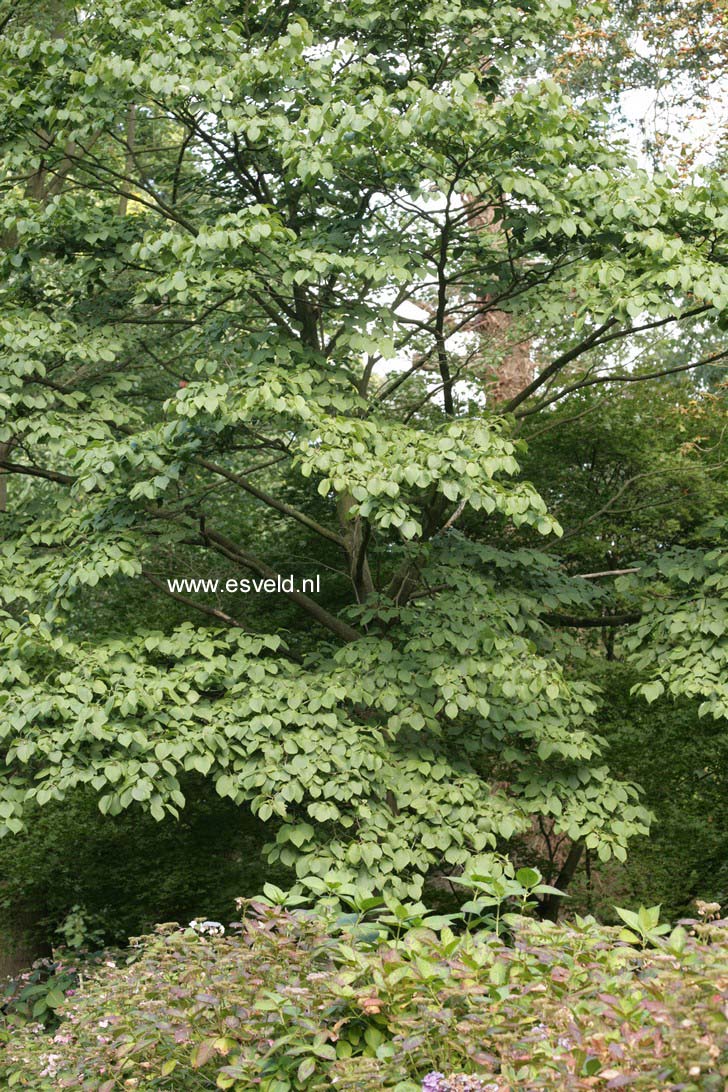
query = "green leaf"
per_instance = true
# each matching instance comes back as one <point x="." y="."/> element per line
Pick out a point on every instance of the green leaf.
<point x="652" y="691"/>
<point x="54" y="998"/>
<point x="528" y="877"/>
<point x="306" y="1069"/>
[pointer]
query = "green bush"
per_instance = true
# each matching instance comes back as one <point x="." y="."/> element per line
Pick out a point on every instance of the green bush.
<point x="681" y="762"/>
<point x="296" y="1000"/>
<point x="77" y="877"/>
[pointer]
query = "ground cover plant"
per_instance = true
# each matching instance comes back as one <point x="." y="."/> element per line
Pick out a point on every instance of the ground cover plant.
<point x="286" y="1001"/>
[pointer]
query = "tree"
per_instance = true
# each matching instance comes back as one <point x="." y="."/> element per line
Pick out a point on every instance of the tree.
<point x="675" y="53"/>
<point x="221" y="224"/>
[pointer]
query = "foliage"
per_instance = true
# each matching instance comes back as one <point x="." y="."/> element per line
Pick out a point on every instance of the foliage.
<point x="36" y="995"/>
<point x="496" y="887"/>
<point x="296" y="1001"/>
<point x="644" y="926"/>
<point x="682" y="638"/>
<point x="631" y="470"/>
<point x="57" y="879"/>
<point x="664" y="743"/>
<point x="675" y="52"/>
<point x="139" y="713"/>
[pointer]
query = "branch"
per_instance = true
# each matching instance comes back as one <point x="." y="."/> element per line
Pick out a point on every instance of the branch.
<point x="225" y="546"/>
<point x="624" y="487"/>
<point x="37" y="472"/>
<point x="355" y="541"/>
<point x="624" y="379"/>
<point x="454" y="517"/>
<point x="5" y="449"/>
<point x="556" y="366"/>
<point x="202" y="607"/>
<point x="272" y="502"/>
<point x="548" y="909"/>
<point x="655" y="323"/>
<point x="211" y="611"/>
<point x="591" y="342"/>
<point x="130" y="160"/>
<point x="604" y="621"/>
<point x="178" y="165"/>
<point x="442" y="361"/>
<point x="561" y="421"/>
<point x="273" y="314"/>
<point x="607" y="572"/>
<point x="172" y="321"/>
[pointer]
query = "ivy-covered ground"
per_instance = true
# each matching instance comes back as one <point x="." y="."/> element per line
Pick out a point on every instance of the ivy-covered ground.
<point x="294" y="1000"/>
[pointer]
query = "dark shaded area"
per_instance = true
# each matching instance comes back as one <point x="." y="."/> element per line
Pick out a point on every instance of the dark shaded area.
<point x="120" y="875"/>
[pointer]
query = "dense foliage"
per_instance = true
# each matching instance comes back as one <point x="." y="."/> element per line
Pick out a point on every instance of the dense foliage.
<point x="291" y="1001"/>
<point x="57" y="885"/>
<point x="662" y="744"/>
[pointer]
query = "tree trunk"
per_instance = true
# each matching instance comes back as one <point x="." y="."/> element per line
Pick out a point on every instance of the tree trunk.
<point x="551" y="904"/>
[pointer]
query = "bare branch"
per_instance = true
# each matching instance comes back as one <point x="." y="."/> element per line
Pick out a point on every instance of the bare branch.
<point x="37" y="472"/>
<point x="229" y="549"/>
<point x="220" y="615"/>
<point x="595" y="339"/>
<point x="607" y="572"/>
<point x="556" y="366"/>
<point x="624" y="379"/>
<point x="272" y="502"/>
<point x="454" y="517"/>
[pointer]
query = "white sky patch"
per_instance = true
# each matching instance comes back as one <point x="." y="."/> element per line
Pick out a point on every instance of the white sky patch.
<point x="642" y="107"/>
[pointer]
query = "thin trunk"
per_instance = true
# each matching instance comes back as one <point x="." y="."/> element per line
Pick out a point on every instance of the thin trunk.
<point x="4" y="452"/>
<point x="551" y="904"/>
<point x="355" y="534"/>
<point x="129" y="162"/>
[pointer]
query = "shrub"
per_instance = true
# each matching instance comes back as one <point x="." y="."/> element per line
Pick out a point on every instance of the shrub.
<point x="57" y="875"/>
<point x="665" y="743"/>
<point x="295" y="1000"/>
